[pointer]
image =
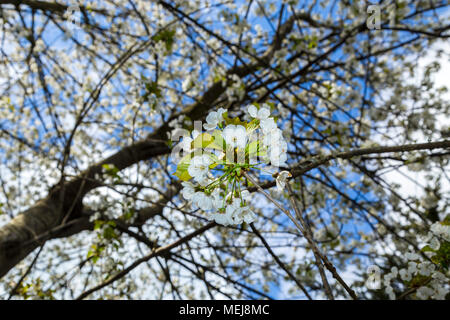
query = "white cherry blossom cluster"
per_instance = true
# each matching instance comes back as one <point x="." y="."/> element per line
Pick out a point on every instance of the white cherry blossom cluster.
<point x="272" y="136"/>
<point x="431" y="276"/>
<point x="435" y="285"/>
<point x="439" y="230"/>
<point x="212" y="171"/>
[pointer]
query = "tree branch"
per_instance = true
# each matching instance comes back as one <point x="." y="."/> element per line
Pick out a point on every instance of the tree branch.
<point x="279" y="262"/>
<point x="155" y="253"/>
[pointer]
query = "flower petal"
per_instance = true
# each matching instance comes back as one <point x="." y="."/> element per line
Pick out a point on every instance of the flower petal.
<point x="263" y="113"/>
<point x="253" y="111"/>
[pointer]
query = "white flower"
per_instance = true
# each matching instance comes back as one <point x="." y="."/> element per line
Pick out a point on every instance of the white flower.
<point x="229" y="216"/>
<point x="267" y="125"/>
<point x="245" y="195"/>
<point x="412" y="256"/>
<point x="217" y="201"/>
<point x="441" y="230"/>
<point x="260" y="114"/>
<point x="198" y="169"/>
<point x="284" y="112"/>
<point x="187" y="84"/>
<point x="239" y="214"/>
<point x="440" y="293"/>
<point x="439" y="276"/>
<point x="278" y="160"/>
<point x="213" y="119"/>
<point x="381" y="229"/>
<point x="202" y="200"/>
<point x="220" y="112"/>
<point x="273" y="137"/>
<point x="226" y="218"/>
<point x="405" y="275"/>
<point x="435" y="244"/>
<point x="425" y="268"/>
<point x="246" y="214"/>
<point x="281" y="179"/>
<point x="277" y="147"/>
<point x="390" y="292"/>
<point x="424" y="293"/>
<point x="235" y="136"/>
<point x="204" y="180"/>
<point x="187" y="141"/>
<point x="387" y="278"/>
<point x="412" y="267"/>
<point x="188" y="190"/>
<point x="320" y="235"/>
<point x="223" y="219"/>
<point x="394" y="272"/>
<point x="233" y="209"/>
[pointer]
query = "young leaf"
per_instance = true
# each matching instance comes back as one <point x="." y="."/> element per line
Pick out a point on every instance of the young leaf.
<point x="255" y="149"/>
<point x="252" y="126"/>
<point x="203" y="140"/>
<point x="182" y="168"/>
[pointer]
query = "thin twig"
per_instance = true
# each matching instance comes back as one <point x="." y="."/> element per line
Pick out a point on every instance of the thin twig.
<point x="279" y="262"/>
<point x="299" y="227"/>
<point x="310" y="239"/>
<point x="154" y="253"/>
<point x="307" y="233"/>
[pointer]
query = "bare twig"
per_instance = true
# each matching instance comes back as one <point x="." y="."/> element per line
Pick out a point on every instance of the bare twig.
<point x="307" y="233"/>
<point x="316" y="250"/>
<point x="279" y="262"/>
<point x="317" y="257"/>
<point x="154" y="253"/>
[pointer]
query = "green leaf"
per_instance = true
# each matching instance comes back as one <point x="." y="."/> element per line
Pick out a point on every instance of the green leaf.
<point x="167" y="36"/>
<point x="271" y="105"/>
<point x="446" y="221"/>
<point x="108" y="233"/>
<point x="206" y="140"/>
<point x="111" y="170"/>
<point x="219" y="142"/>
<point x="98" y="224"/>
<point x="255" y="149"/>
<point x="442" y="256"/>
<point x="94" y="252"/>
<point x="219" y="78"/>
<point x="202" y="141"/>
<point x="327" y="131"/>
<point x="112" y="224"/>
<point x="252" y="125"/>
<point x="236" y="121"/>
<point x="426" y="248"/>
<point x="182" y="168"/>
<point x="151" y="87"/>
